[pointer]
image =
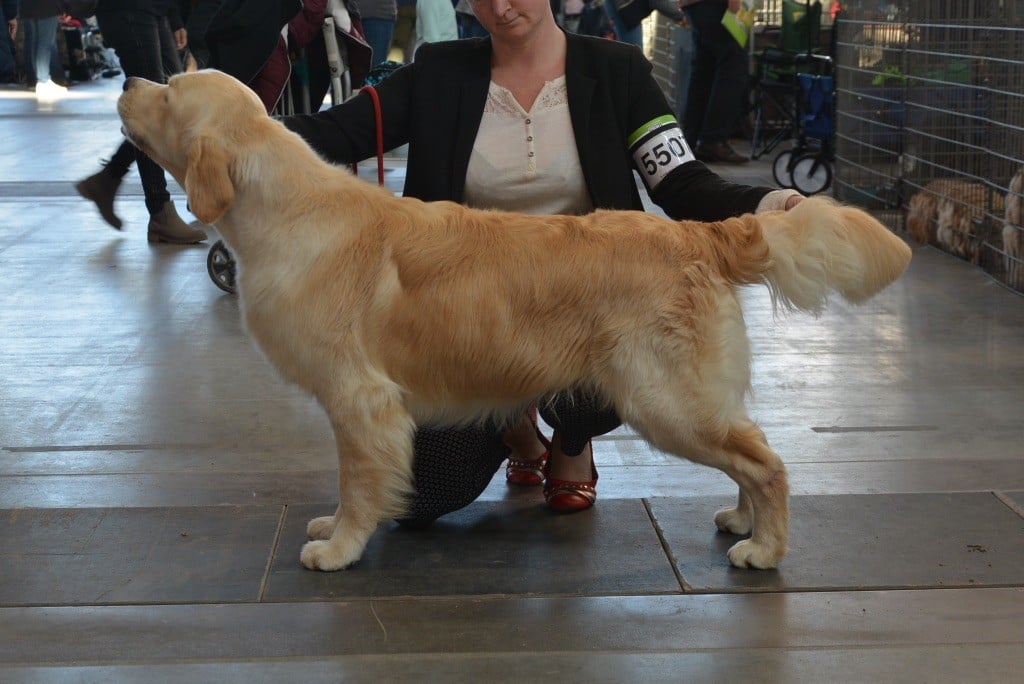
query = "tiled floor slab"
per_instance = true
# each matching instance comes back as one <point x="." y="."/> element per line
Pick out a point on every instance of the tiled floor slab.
<point x="801" y="445"/>
<point x="995" y="663"/>
<point x="135" y="555"/>
<point x="515" y="547"/>
<point x="58" y="483"/>
<point x="1014" y="499"/>
<point x="857" y="542"/>
<point x="106" y="635"/>
<point x="168" y="489"/>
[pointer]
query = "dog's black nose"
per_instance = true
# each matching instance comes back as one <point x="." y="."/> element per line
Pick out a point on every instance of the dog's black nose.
<point x="128" y="82"/>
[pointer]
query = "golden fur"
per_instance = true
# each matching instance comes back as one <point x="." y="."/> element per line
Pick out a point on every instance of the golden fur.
<point x="943" y="213"/>
<point x="922" y="209"/>
<point x="955" y="216"/>
<point x="394" y="312"/>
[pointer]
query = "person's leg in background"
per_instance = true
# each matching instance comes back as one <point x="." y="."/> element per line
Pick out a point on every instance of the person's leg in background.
<point x="28" y="50"/>
<point x="633" y="36"/>
<point x="403" y="43"/>
<point x="702" y="77"/>
<point x="683" y="42"/>
<point x="378" y="34"/>
<point x="57" y="73"/>
<point x="145" y="48"/>
<point x="39" y="59"/>
<point x="717" y="84"/>
<point x="8" y="65"/>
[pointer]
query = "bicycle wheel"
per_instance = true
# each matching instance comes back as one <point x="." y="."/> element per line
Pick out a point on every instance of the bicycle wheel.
<point x="220" y="264"/>
<point x="781" y="169"/>
<point x="811" y="174"/>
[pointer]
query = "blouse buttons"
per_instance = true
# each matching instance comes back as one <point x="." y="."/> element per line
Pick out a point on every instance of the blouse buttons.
<point x="531" y="163"/>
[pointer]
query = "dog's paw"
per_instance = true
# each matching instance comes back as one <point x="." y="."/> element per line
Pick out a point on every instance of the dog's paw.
<point x="321" y="528"/>
<point x="748" y="554"/>
<point x="734" y="521"/>
<point x="323" y="555"/>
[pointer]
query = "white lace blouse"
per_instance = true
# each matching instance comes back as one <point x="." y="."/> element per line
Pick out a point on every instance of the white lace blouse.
<point x="527" y="161"/>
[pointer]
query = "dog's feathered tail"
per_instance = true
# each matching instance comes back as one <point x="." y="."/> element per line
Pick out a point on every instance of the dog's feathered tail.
<point x="817" y="246"/>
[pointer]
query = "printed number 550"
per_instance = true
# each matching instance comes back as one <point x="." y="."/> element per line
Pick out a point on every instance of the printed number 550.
<point x="662" y="154"/>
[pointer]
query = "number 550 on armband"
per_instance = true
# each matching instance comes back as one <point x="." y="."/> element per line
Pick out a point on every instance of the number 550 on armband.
<point x="658" y="147"/>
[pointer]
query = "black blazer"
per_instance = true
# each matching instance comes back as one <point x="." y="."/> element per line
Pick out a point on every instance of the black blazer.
<point x="435" y="104"/>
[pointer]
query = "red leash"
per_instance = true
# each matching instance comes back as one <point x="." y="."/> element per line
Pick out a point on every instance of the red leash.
<point x="379" y="118"/>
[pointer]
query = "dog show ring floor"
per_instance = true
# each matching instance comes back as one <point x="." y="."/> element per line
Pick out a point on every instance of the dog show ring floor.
<point x="156" y="477"/>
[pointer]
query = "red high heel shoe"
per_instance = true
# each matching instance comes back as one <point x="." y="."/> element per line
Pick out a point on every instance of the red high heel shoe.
<point x="529" y="473"/>
<point x="566" y="496"/>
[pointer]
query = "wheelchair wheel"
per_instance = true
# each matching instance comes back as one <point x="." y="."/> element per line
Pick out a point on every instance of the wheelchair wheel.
<point x="782" y="169"/>
<point x="220" y="264"/>
<point x="811" y="174"/>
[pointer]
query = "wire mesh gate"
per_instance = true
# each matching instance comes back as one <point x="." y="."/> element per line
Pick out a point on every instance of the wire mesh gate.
<point x="930" y="123"/>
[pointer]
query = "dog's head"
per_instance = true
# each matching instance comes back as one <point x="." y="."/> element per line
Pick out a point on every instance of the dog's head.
<point x="193" y="127"/>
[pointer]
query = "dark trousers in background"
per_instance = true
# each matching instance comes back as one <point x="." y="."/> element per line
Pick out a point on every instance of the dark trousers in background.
<point x="8" y="70"/>
<point x="40" y="54"/>
<point x="378" y="33"/>
<point x="469" y="26"/>
<point x="718" y="78"/>
<point x="145" y="47"/>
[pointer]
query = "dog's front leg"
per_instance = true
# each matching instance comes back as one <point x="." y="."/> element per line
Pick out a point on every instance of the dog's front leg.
<point x="374" y="475"/>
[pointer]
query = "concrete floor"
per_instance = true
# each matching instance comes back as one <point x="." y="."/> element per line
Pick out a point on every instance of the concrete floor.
<point x="155" y="478"/>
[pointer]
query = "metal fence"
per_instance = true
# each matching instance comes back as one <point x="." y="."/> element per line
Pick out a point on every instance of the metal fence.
<point x="930" y="123"/>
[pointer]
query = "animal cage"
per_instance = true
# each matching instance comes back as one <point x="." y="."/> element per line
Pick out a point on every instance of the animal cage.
<point x="930" y="123"/>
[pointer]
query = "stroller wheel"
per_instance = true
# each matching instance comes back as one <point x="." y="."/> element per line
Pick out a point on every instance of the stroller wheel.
<point x="221" y="267"/>
<point x="782" y="169"/>
<point x="811" y="174"/>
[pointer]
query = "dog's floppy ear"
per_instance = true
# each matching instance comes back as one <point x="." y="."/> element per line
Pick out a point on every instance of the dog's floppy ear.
<point x="207" y="180"/>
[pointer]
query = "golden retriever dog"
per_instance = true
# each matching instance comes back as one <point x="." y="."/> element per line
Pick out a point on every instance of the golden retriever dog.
<point x="395" y="313"/>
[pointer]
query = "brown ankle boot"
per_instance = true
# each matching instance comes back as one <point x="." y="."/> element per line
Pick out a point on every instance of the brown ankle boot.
<point x="718" y="152"/>
<point x="101" y="188"/>
<point x="167" y="226"/>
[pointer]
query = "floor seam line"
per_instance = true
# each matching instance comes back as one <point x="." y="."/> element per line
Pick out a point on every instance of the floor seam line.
<point x="684" y="586"/>
<point x="265" y="580"/>
<point x="1009" y="503"/>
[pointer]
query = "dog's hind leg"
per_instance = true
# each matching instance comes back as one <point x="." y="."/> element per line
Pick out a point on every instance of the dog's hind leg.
<point x="374" y="438"/>
<point x="689" y="402"/>
<point x="764" y="493"/>
<point x="742" y="453"/>
<point x="738" y="520"/>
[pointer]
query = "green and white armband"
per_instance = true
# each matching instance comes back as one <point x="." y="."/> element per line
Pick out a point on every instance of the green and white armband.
<point x="658" y="147"/>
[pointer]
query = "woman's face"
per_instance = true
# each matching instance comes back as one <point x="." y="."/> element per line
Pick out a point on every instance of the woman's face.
<point x="509" y="19"/>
